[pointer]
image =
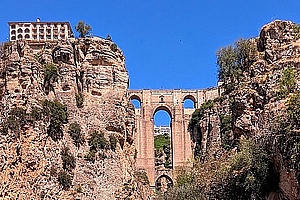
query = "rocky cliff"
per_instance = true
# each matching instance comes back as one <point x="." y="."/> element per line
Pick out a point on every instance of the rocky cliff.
<point x="66" y="123"/>
<point x="247" y="141"/>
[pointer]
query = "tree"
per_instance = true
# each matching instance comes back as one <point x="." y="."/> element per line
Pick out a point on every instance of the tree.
<point x="83" y="29"/>
<point x="235" y="59"/>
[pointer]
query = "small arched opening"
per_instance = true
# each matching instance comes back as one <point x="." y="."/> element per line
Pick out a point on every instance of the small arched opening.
<point x="20" y="30"/>
<point x="20" y="36"/>
<point x="27" y="36"/>
<point x="162" y="123"/>
<point x="163" y="183"/>
<point x="136" y="101"/>
<point x="189" y="102"/>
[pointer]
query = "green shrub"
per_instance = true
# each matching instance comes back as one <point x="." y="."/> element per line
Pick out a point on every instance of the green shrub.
<point x="36" y="114"/>
<point x="50" y="77"/>
<point x="91" y="156"/>
<point x="17" y="119"/>
<point x="297" y="31"/>
<point x="141" y="177"/>
<point x="248" y="174"/>
<point x="113" y="142"/>
<point x="53" y="171"/>
<point x="199" y="113"/>
<point x="114" y="47"/>
<point x="68" y="160"/>
<point x="65" y="179"/>
<point x="57" y="114"/>
<point x="97" y="141"/>
<point x="186" y="187"/>
<point x="76" y="135"/>
<point x="287" y="82"/>
<point x="160" y="141"/>
<point x="79" y="100"/>
<point x="225" y="131"/>
<point x="234" y="60"/>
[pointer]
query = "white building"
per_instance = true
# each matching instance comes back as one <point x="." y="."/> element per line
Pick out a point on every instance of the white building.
<point x="39" y="31"/>
<point x="162" y="130"/>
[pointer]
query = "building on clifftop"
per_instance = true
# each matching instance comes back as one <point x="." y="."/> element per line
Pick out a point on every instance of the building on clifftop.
<point x="39" y="31"/>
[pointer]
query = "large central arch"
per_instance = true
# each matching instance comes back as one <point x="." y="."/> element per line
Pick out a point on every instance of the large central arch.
<point x="172" y="102"/>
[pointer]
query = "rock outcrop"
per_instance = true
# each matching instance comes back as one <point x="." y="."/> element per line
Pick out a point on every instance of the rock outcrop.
<point x="88" y="76"/>
<point x="258" y="108"/>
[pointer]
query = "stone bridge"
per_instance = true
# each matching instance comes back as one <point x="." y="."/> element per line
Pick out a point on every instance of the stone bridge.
<point x="170" y="101"/>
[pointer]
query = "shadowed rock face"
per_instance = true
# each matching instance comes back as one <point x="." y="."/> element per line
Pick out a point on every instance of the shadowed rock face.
<point x="90" y="68"/>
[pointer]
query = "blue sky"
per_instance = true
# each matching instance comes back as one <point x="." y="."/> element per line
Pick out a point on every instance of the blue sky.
<point x="168" y="44"/>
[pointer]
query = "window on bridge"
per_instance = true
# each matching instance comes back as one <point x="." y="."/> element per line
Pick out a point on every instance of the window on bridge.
<point x="162" y="139"/>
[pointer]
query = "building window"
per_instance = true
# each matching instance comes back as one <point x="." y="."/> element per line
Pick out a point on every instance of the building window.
<point x="13" y="26"/>
<point x="35" y="37"/>
<point x="49" y="37"/>
<point x="13" y="32"/>
<point x="41" y="37"/>
<point x="27" y="30"/>
<point x="41" y="30"/>
<point x="27" y="36"/>
<point x="20" y="36"/>
<point x="20" y="30"/>
<point x="13" y="37"/>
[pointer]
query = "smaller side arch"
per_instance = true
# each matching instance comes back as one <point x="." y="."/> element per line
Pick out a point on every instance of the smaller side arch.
<point x="168" y="184"/>
<point x="191" y="98"/>
<point x="134" y="96"/>
<point x="136" y="100"/>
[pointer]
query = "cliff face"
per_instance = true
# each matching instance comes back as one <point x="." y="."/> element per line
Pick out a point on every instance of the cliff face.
<point x="260" y="105"/>
<point x="85" y="81"/>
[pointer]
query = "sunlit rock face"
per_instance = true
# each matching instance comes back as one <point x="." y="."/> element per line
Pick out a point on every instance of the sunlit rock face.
<point x="92" y="82"/>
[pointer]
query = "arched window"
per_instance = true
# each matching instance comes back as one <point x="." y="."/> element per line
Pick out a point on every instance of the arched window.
<point x="20" y="36"/>
<point x="27" y="36"/>
<point x="20" y="30"/>
<point x="27" y="30"/>
<point x="13" y="32"/>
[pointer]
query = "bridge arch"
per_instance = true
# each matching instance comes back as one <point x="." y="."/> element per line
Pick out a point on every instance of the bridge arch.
<point x="170" y="101"/>
<point x="136" y="101"/>
<point x="135" y="96"/>
<point x="164" y="108"/>
<point x="163" y="186"/>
